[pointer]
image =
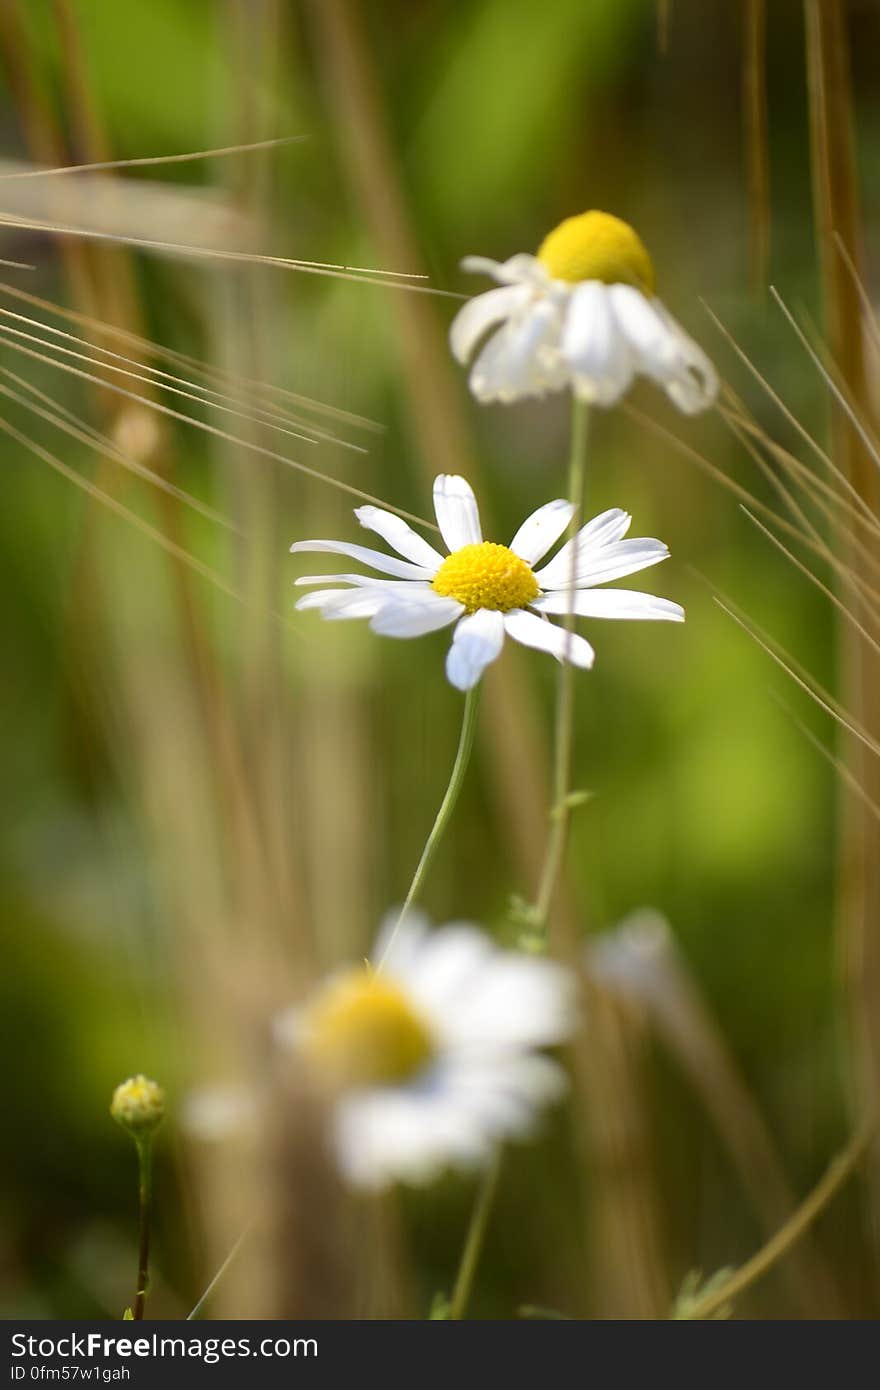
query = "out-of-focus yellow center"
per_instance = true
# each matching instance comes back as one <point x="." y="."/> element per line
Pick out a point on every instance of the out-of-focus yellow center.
<point x="486" y="575"/>
<point x="597" y="246"/>
<point x="363" y="1031"/>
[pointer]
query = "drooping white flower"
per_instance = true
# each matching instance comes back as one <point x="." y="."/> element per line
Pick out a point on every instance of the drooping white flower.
<point x="581" y="313"/>
<point x="490" y="591"/>
<point x="432" y="1060"/>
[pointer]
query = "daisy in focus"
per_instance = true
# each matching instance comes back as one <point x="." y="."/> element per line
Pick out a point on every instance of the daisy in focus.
<point x="489" y="591"/>
<point x="581" y="313"/>
<point x="433" y="1060"/>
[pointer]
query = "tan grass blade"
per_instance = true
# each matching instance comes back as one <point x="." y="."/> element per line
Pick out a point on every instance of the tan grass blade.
<point x="241" y="385"/>
<point x="65" y="420"/>
<point x="754" y="80"/>
<point x="203" y="425"/>
<point x="641" y="961"/>
<point x="837" y="217"/>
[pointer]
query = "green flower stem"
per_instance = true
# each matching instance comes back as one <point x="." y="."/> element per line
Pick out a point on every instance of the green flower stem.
<point x="144" y="1146"/>
<point x="560" y="811"/>
<point x="473" y="1244"/>
<point x="559" y="814"/>
<point x="447" y="806"/>
<point x="837" y="1173"/>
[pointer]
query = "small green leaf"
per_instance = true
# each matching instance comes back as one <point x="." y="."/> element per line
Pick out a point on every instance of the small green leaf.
<point x="571" y="802"/>
<point x="439" y="1308"/>
<point x="535" y="1313"/>
<point x="520" y="911"/>
<point x="693" y="1291"/>
<point x="576" y="799"/>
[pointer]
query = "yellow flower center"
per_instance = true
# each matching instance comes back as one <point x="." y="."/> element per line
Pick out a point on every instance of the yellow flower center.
<point x="363" y="1031"/>
<point x="486" y="575"/>
<point x="597" y="246"/>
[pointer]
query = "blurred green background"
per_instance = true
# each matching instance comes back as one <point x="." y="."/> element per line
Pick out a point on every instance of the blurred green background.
<point x="427" y="132"/>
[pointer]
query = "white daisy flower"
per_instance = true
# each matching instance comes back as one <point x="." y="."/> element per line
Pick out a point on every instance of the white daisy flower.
<point x="581" y="313"/>
<point x="490" y="591"/>
<point x="432" y="1061"/>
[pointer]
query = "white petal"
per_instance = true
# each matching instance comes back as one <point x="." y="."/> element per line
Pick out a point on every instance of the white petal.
<point x="340" y="604"/>
<point x="517" y="269"/>
<point x="606" y="527"/>
<point x="600" y="566"/>
<point x="407" y="1134"/>
<point x="403" y="538"/>
<point x="615" y="561"/>
<point x="541" y="530"/>
<point x="374" y="558"/>
<point x="603" y="530"/>
<point x="403" y="617"/>
<point x="664" y="351"/>
<point x="448" y="963"/>
<point x="480" y="314"/>
<point x="610" y="603"/>
<point x="477" y="641"/>
<point x="644" y="329"/>
<point x="695" y="384"/>
<point x="366" y="581"/>
<point x="513" y="1002"/>
<point x="456" y="510"/>
<point x="533" y="631"/>
<point x="593" y="346"/>
<point x="522" y="358"/>
<point x="503" y="1094"/>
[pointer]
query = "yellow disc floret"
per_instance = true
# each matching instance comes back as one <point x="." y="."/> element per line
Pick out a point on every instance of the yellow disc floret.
<point x="363" y="1031"/>
<point x="597" y="246"/>
<point x="486" y="575"/>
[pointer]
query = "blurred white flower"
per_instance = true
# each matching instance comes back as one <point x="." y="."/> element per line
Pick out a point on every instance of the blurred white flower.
<point x="638" y="957"/>
<point x="490" y="591"/>
<point x="432" y="1061"/>
<point x="581" y="313"/>
<point x="216" y="1112"/>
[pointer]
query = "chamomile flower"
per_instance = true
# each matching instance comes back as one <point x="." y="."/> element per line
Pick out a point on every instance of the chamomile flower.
<point x="489" y="591"/>
<point x="581" y="313"/>
<point x="432" y="1060"/>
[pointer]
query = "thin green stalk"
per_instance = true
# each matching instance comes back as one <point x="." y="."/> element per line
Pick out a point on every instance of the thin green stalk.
<point x="447" y="806"/>
<point x="144" y="1145"/>
<point x="555" y="843"/>
<point x="839" y="1170"/>
<point x="473" y="1244"/>
<point x="561" y="806"/>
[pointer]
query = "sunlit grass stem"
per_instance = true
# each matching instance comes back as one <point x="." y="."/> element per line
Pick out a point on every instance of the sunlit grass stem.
<point x="196" y="1310"/>
<point x="839" y="1170"/>
<point x="447" y="806"/>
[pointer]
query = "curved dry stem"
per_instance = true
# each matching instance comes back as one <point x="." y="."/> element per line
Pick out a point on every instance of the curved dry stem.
<point x="839" y="1170"/>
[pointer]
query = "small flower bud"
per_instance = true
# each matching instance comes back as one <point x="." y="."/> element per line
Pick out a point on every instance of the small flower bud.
<point x="138" y="1105"/>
